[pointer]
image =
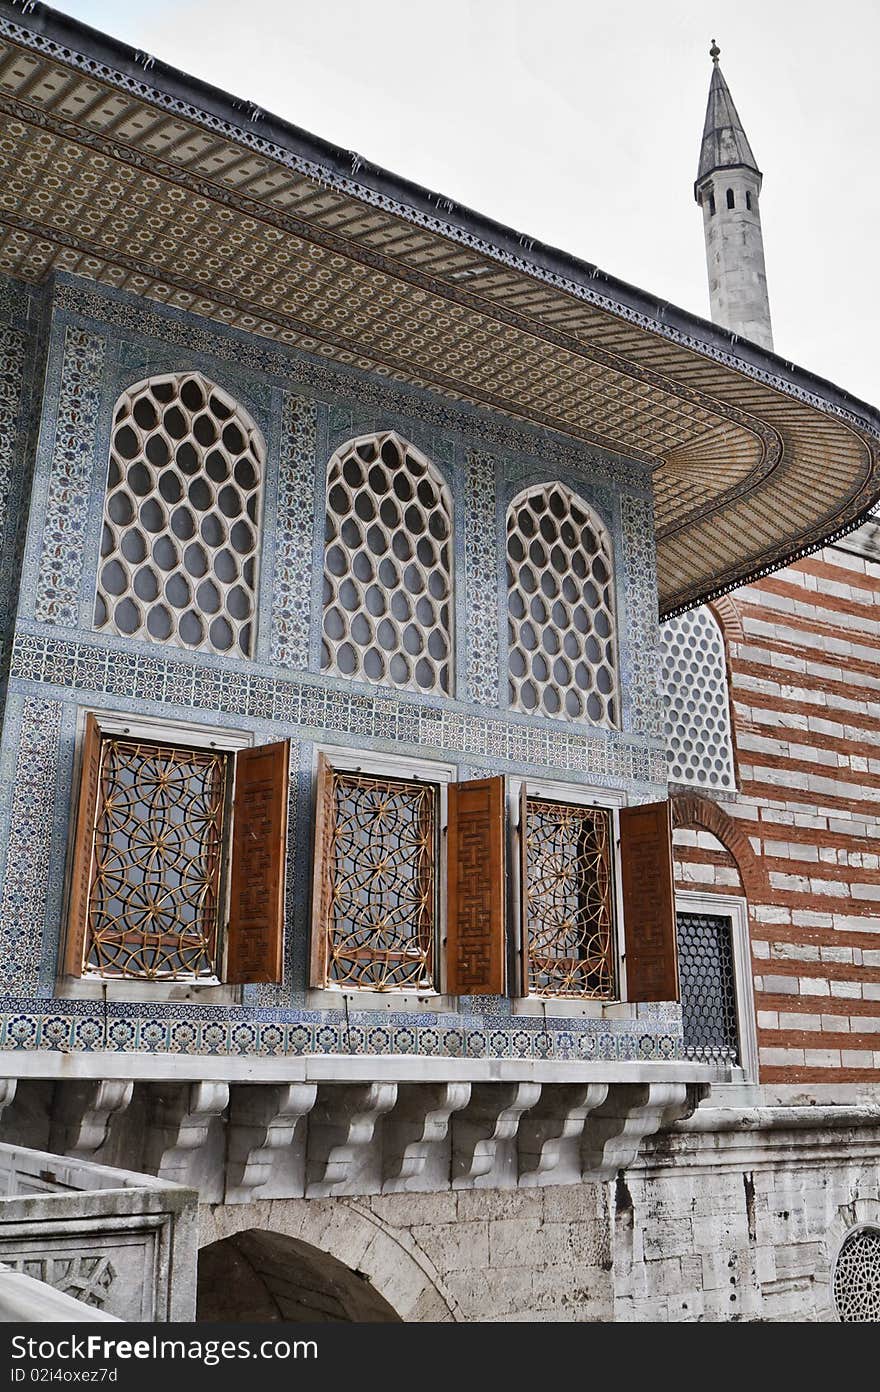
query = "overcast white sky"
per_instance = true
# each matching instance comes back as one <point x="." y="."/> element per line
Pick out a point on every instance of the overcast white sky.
<point x="580" y="124"/>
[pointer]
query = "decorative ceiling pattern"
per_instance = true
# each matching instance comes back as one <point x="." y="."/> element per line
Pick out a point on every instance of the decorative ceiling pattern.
<point x="106" y="176"/>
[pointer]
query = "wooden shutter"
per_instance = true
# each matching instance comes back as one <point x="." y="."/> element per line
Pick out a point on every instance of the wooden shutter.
<point x="649" y="902"/>
<point x="475" y="941"/>
<point x="523" y="891"/>
<point x="322" y="882"/>
<point x="83" y="848"/>
<point x="255" y="935"/>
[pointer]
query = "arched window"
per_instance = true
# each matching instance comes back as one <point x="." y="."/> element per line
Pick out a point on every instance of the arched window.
<point x="560" y="602"/>
<point x="731" y="201"/>
<point x="748" y="200"/>
<point x="711" y="205"/>
<point x="699" y="744"/>
<point x="180" y="543"/>
<point x="387" y="567"/>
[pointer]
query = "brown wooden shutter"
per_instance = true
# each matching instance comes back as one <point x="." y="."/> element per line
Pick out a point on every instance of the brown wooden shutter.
<point x="322" y="882"/>
<point x="523" y="891"/>
<point x="476" y="898"/>
<point x="255" y="935"/>
<point x="83" y="848"/>
<point x="649" y="902"/>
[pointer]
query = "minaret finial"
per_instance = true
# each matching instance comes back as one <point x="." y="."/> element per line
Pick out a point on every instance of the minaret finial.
<point x="715" y="53"/>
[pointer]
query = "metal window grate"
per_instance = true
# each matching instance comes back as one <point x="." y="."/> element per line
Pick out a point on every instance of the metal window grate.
<point x="158" y="852"/>
<point x="708" y="987"/>
<point x="568" y="900"/>
<point x="382" y="867"/>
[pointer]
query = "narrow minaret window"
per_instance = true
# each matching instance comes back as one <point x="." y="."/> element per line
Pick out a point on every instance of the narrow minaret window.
<point x="734" y="246"/>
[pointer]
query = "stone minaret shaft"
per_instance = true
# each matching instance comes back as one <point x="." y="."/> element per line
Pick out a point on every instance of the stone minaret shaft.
<point x="728" y="189"/>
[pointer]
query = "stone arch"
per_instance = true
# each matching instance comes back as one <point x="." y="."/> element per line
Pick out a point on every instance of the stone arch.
<point x="691" y="810"/>
<point x="263" y="1277"/>
<point x="729" y="618"/>
<point x="351" y="1232"/>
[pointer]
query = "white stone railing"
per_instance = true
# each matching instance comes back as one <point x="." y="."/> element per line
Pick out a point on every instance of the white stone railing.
<point x="119" y="1243"/>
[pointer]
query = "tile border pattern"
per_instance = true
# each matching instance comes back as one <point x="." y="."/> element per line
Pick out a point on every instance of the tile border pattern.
<point x="67" y="505"/>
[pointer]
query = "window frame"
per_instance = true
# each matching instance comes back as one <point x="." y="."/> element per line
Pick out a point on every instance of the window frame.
<point x="580" y="795"/>
<point x="151" y="729"/>
<point x="446" y="495"/>
<point x="436" y="773"/>
<point x="735" y="908"/>
<point x="242" y="414"/>
<point x="605" y="537"/>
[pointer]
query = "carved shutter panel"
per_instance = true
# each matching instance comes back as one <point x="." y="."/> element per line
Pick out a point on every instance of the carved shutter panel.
<point x="524" y="891"/>
<point x="83" y="848"/>
<point x="649" y="902"/>
<point x="259" y="843"/>
<point x="322" y="882"/>
<point x="476" y="898"/>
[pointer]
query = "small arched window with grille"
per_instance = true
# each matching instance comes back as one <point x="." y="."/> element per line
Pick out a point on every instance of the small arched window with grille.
<point x="388" y="567"/>
<point x="180" y="540"/>
<point x="560" y="604"/>
<point x="699" y="743"/>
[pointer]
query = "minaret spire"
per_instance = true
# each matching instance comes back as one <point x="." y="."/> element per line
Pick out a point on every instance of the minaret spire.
<point x="728" y="187"/>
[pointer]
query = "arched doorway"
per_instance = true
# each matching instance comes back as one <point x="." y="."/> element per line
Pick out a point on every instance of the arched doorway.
<point x="268" y="1277"/>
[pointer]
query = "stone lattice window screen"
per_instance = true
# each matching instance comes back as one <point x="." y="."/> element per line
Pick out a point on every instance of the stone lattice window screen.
<point x="699" y="744"/>
<point x="180" y="541"/>
<point x="387" y="567"/>
<point x="560" y="601"/>
<point x="856" y="1281"/>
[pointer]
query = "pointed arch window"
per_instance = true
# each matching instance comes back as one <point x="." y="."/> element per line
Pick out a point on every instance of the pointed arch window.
<point x="180" y="540"/>
<point x="699" y="742"/>
<point x="388" y="567"/>
<point x="731" y="199"/>
<point x="560" y="602"/>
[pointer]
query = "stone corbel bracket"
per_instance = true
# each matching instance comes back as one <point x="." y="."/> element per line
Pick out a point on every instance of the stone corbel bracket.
<point x="615" y="1130"/>
<point x="342" y="1155"/>
<point x="484" y="1135"/>
<point x="179" y="1125"/>
<point x="266" y="1148"/>
<point x="7" y="1092"/>
<point x="87" y="1110"/>
<point x="416" y="1136"/>
<point x="550" y="1135"/>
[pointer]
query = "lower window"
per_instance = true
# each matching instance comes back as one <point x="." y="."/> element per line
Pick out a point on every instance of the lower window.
<point x="708" y="987"/>
<point x="159" y="860"/>
<point x="178" y="857"/>
<point x="568" y="899"/>
<point x="376" y="881"/>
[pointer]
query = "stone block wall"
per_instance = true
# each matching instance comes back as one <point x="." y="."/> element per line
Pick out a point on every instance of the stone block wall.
<point x="715" y="1222"/>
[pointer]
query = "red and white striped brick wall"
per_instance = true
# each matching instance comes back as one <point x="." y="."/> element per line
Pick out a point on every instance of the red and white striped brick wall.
<point x="805" y="687"/>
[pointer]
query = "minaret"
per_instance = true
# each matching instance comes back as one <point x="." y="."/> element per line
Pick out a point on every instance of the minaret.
<point x="728" y="188"/>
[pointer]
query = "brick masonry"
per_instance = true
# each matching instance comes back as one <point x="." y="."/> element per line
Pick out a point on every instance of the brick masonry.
<point x="800" y="838"/>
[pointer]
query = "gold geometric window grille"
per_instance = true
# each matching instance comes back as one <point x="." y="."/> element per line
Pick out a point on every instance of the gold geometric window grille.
<point x="387" y="567"/>
<point x="378" y="882"/>
<point x="180" y="540"/>
<point x="158" y="862"/>
<point x="568" y="899"/>
<point x="560" y="606"/>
